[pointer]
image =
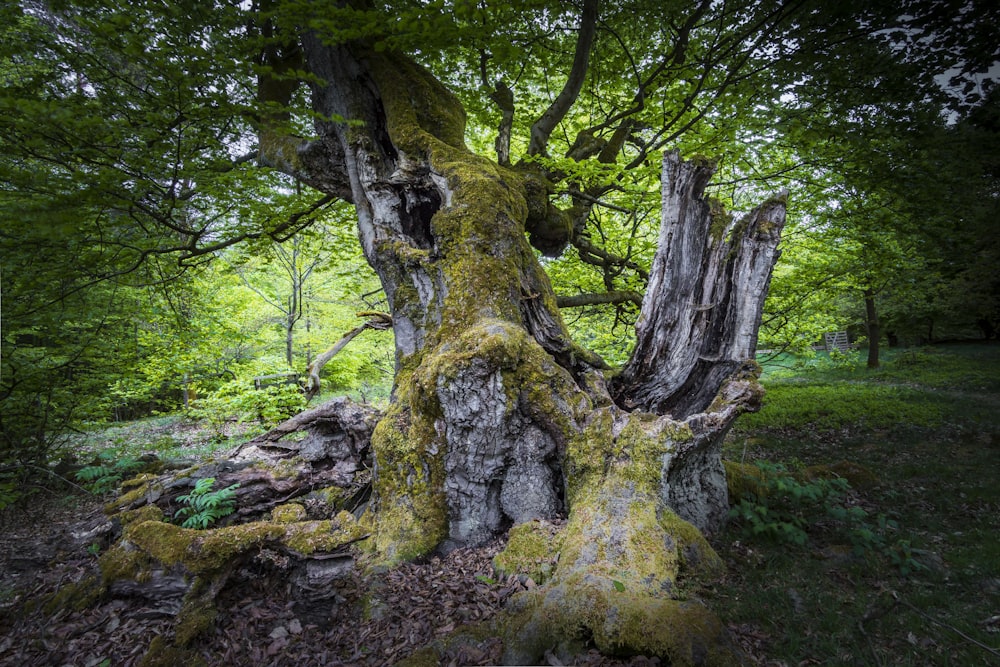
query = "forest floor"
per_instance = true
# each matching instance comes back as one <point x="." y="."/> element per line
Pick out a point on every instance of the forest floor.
<point x="914" y="579"/>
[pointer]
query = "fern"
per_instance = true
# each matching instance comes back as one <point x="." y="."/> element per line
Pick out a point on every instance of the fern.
<point x="105" y="476"/>
<point x="204" y="506"/>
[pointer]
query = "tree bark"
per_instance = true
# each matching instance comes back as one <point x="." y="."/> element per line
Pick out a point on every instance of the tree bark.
<point x="704" y="299"/>
<point x="497" y="418"/>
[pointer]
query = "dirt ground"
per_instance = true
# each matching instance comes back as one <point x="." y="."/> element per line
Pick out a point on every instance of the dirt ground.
<point x="258" y="622"/>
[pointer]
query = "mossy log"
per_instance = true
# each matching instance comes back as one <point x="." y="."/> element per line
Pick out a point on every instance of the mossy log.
<point x="298" y="485"/>
<point x="324" y="451"/>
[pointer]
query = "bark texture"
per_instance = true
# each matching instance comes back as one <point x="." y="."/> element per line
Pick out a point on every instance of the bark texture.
<point x="706" y="292"/>
<point x="498" y="420"/>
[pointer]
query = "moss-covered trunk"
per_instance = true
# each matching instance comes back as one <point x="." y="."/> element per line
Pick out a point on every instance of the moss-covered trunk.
<point x="497" y="419"/>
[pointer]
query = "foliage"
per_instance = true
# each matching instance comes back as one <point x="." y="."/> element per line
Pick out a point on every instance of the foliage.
<point x="828" y="407"/>
<point x="787" y="507"/>
<point x="203" y="506"/>
<point x="107" y="474"/>
<point x="130" y="138"/>
<point x="936" y="481"/>
<point x="239" y="400"/>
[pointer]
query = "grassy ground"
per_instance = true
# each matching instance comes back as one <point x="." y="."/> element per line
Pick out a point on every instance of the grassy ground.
<point x="927" y="424"/>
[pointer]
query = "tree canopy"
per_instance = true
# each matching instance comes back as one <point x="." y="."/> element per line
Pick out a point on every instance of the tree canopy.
<point x="141" y="141"/>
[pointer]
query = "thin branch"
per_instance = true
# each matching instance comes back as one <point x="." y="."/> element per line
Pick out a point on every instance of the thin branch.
<point x="595" y="256"/>
<point x="599" y="298"/>
<point x="379" y="321"/>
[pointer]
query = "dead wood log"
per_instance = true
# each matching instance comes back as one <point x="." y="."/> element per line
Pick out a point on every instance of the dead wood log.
<point x="323" y="450"/>
<point x="706" y="292"/>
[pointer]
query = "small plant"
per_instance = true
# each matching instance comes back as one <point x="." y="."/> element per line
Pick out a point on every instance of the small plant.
<point x="203" y="507"/>
<point x="106" y="475"/>
<point x="787" y="507"/>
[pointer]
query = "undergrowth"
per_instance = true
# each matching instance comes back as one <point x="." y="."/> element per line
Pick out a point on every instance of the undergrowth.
<point x="786" y="509"/>
<point x="901" y="572"/>
<point x="203" y="506"/>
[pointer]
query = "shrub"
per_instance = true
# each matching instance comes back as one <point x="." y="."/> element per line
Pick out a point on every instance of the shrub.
<point x="240" y="401"/>
<point x="784" y="508"/>
<point x="107" y="474"/>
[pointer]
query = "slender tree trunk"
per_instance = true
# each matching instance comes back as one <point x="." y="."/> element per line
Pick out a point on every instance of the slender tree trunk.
<point x="874" y="330"/>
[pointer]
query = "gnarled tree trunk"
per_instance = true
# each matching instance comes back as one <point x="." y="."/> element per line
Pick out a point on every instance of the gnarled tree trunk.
<point x="498" y="419"/>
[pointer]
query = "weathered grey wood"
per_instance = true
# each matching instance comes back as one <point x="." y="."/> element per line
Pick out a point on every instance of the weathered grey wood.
<point x="313" y="383"/>
<point x="706" y="291"/>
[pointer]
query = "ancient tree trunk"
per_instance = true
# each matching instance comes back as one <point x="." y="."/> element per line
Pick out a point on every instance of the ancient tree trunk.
<point x="498" y="420"/>
<point x="705" y="296"/>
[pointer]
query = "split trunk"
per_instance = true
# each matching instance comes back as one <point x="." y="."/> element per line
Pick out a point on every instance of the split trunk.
<point x="498" y="420"/>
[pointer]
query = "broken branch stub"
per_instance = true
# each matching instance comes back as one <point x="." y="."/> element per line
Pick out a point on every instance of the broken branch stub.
<point x="706" y="291"/>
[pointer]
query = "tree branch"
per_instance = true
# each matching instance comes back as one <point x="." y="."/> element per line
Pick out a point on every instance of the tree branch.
<point x="702" y="309"/>
<point x="599" y="298"/>
<point x="377" y="321"/>
<point x="542" y="129"/>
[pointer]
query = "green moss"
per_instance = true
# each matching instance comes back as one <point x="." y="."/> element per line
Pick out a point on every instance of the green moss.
<point x="121" y="562"/>
<point x="722" y="220"/>
<point x="197" y="615"/>
<point x="410" y="461"/>
<point x="162" y="653"/>
<point x="560" y="618"/>
<point x="144" y="513"/>
<point x="744" y="480"/>
<point x="532" y="549"/>
<point x="698" y="559"/>
<point x="587" y="453"/>
<point x="308" y="537"/>
<point x="75" y="597"/>
<point x="640" y="447"/>
<point x="145" y="490"/>
<point x="284" y="469"/>
<point x="614" y="532"/>
<point x="425" y="657"/>
<point x="200" y="551"/>
<point x="288" y="513"/>
<point x="334" y="496"/>
<point x="138" y="480"/>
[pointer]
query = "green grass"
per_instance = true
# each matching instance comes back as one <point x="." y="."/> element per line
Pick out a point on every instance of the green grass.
<point x="928" y="425"/>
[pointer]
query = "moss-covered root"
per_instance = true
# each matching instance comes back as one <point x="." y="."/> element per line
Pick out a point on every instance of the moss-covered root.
<point x="532" y="550"/>
<point x="563" y="618"/>
<point x="620" y="557"/>
<point x="196" y="617"/>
